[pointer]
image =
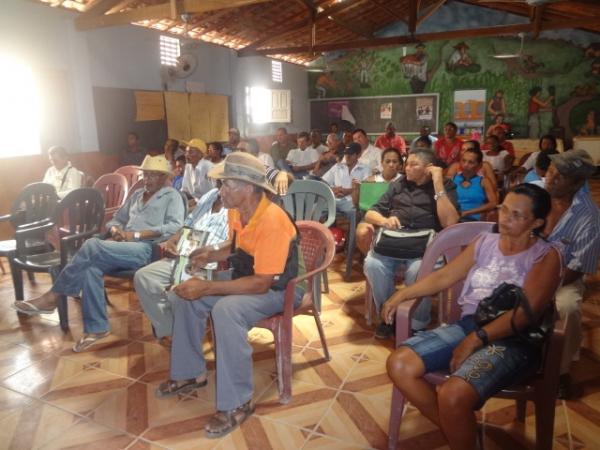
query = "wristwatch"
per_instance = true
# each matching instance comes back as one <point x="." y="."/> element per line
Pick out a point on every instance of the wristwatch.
<point x="439" y="195"/>
<point x="137" y="235"/>
<point x="482" y="335"/>
<point x="216" y="247"/>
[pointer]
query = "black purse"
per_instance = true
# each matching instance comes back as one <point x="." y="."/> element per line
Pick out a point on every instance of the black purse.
<point x="509" y="297"/>
<point x="403" y="243"/>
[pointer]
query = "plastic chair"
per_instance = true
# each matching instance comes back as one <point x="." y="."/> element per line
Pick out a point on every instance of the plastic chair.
<point x="78" y="216"/>
<point x="131" y="173"/>
<point x="541" y="389"/>
<point x="318" y="249"/>
<point x="34" y="203"/>
<point x="114" y="189"/>
<point x="139" y="184"/>
<point x="369" y="193"/>
<point x="311" y="200"/>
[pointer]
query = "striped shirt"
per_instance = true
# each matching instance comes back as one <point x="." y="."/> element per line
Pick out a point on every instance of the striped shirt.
<point x="579" y="231"/>
<point x="203" y="219"/>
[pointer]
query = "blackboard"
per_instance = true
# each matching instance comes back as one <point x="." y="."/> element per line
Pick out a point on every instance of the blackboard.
<point x="367" y="111"/>
<point x="115" y="117"/>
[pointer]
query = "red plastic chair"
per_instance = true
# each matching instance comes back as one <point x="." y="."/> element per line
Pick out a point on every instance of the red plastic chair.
<point x="137" y="185"/>
<point x="131" y="173"/>
<point x="114" y="189"/>
<point x="540" y="389"/>
<point x="318" y="248"/>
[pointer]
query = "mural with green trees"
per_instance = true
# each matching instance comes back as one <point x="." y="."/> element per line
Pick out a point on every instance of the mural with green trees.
<point x="568" y="76"/>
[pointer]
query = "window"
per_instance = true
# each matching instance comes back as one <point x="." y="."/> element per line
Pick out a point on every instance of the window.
<point x="169" y="51"/>
<point x="20" y="109"/>
<point x="276" y="72"/>
<point x="268" y="105"/>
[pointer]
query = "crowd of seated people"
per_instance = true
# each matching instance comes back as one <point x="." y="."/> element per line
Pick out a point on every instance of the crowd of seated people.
<point x="441" y="183"/>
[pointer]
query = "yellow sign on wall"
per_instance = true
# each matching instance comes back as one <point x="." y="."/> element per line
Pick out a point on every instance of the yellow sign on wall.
<point x="195" y="115"/>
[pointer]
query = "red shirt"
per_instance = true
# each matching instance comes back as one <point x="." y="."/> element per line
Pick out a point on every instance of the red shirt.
<point x="447" y="151"/>
<point x="506" y="145"/>
<point x="397" y="142"/>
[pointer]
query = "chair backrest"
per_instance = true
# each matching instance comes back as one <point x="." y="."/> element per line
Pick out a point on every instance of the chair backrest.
<point x="448" y="244"/>
<point x="370" y="193"/>
<point x="37" y="201"/>
<point x="114" y="189"/>
<point x="81" y="211"/>
<point x="137" y="185"/>
<point x="310" y="200"/>
<point x="317" y="244"/>
<point x="132" y="173"/>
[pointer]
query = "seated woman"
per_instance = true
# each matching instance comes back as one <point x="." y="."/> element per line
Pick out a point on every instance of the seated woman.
<point x="392" y="166"/>
<point x="498" y="122"/>
<point x="500" y="160"/>
<point x="476" y="194"/>
<point x="547" y="143"/>
<point x="484" y="170"/>
<point x="481" y="361"/>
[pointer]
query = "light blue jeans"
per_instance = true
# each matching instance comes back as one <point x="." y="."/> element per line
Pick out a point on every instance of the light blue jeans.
<point x="381" y="270"/>
<point x="84" y="275"/>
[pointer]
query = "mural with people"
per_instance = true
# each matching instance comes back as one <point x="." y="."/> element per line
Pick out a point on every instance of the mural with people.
<point x="552" y="85"/>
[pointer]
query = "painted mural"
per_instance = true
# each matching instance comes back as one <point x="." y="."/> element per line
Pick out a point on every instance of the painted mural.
<point x="553" y="84"/>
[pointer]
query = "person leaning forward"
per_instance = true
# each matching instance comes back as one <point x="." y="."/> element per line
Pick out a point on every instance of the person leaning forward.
<point x="263" y="251"/>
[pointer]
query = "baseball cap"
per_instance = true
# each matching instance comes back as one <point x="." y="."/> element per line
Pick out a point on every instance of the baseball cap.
<point x="574" y="163"/>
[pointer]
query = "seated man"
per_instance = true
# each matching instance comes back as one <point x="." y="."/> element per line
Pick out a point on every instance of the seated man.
<point x="424" y="132"/>
<point x="195" y="180"/>
<point x="62" y="175"/>
<point x="421" y="200"/>
<point x="343" y="176"/>
<point x="328" y="158"/>
<point x="178" y="172"/>
<point x="263" y="250"/>
<point x="391" y="139"/>
<point x="149" y="215"/>
<point x="303" y="159"/>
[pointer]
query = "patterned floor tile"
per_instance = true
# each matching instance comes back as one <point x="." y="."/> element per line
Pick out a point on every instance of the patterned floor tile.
<point x="33" y="425"/>
<point x="321" y="442"/>
<point x="141" y="444"/>
<point x="11" y="401"/>
<point x="14" y="358"/>
<point x="264" y="434"/>
<point x="89" y="435"/>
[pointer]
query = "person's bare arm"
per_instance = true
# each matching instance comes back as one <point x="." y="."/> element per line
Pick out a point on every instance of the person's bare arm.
<point x="491" y="196"/>
<point x="377" y="219"/>
<point x="196" y="288"/>
<point x="446" y="211"/>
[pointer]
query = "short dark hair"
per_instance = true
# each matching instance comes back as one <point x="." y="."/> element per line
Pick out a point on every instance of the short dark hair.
<point x="425" y="140"/>
<point x="217" y="145"/>
<point x="543" y="160"/>
<point x="493" y="137"/>
<point x="451" y="124"/>
<point x="550" y="138"/>
<point x="476" y="151"/>
<point x="391" y="150"/>
<point x="58" y="151"/>
<point x="181" y="158"/>
<point x="359" y="130"/>
<point x="540" y="198"/>
<point x="282" y="129"/>
<point x="425" y="155"/>
<point x="303" y="134"/>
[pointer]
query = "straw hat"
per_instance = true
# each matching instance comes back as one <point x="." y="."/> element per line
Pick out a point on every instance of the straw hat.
<point x="156" y="164"/>
<point x="244" y="167"/>
<point x="197" y="143"/>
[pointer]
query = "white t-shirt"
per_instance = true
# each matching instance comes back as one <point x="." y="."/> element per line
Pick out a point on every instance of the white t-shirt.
<point x="530" y="162"/>
<point x="379" y="178"/>
<point x="340" y="176"/>
<point x="64" y="180"/>
<point x="298" y="157"/>
<point x="195" y="180"/>
<point x="497" y="162"/>
<point x="371" y="157"/>
<point x="320" y="148"/>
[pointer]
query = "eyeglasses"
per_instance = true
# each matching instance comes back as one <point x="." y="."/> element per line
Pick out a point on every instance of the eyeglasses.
<point x="231" y="185"/>
<point x="513" y="215"/>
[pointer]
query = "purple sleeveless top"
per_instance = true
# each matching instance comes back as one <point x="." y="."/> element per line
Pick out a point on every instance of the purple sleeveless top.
<point x="491" y="268"/>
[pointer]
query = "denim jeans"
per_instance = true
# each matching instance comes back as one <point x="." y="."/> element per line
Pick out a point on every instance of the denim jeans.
<point x="381" y="270"/>
<point x="85" y="275"/>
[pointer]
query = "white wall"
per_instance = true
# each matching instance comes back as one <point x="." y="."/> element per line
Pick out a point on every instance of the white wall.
<point x="125" y="57"/>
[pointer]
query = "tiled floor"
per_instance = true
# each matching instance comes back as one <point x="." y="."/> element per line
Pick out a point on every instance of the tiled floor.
<point x="52" y="398"/>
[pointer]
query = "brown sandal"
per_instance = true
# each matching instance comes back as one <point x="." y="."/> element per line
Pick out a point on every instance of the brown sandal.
<point x="224" y="422"/>
<point x="170" y="388"/>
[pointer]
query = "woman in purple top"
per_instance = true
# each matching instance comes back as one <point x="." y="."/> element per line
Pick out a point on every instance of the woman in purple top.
<point x="481" y="361"/>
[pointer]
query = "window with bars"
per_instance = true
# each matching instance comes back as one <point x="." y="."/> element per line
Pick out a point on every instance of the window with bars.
<point x="276" y="72"/>
<point x="169" y="50"/>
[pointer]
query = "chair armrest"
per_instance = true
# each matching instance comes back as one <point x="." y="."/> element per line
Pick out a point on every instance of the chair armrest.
<point x="404" y="314"/>
<point x="290" y="289"/>
<point x="5" y="217"/>
<point x="73" y="237"/>
<point x="23" y="231"/>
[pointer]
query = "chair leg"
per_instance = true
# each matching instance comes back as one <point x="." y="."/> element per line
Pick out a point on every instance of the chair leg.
<point x="521" y="410"/>
<point x="396" y="411"/>
<point x="31" y="276"/>
<point x="63" y="313"/>
<point x="2" y="267"/>
<point x="325" y="283"/>
<point x="317" y="317"/>
<point x="283" y="357"/>
<point x="368" y="304"/>
<point x="316" y="287"/>
<point x="17" y="277"/>
<point x="544" y="422"/>
<point x="351" y="245"/>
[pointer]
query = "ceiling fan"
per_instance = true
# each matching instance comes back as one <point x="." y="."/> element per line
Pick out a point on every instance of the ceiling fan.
<point x="519" y="54"/>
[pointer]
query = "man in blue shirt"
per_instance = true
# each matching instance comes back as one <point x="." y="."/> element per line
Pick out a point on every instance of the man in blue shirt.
<point x="152" y="214"/>
<point x="574" y="222"/>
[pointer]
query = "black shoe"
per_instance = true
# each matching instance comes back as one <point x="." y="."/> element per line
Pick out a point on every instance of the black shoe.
<point x="385" y="331"/>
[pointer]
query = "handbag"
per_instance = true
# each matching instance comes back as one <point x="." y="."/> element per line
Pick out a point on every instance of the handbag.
<point x="403" y="243"/>
<point x="509" y="297"/>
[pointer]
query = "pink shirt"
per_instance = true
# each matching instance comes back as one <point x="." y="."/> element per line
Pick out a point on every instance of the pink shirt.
<point x="397" y="142"/>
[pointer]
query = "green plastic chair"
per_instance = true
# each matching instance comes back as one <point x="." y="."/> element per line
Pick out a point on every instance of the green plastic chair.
<point x="370" y="193"/>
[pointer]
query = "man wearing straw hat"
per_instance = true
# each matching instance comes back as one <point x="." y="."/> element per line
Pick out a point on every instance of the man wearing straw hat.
<point x="263" y="251"/>
<point x="151" y="214"/>
<point x="195" y="180"/>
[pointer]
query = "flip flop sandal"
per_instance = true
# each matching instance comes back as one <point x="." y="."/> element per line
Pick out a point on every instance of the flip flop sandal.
<point x="224" y="422"/>
<point x="88" y="340"/>
<point x="171" y="388"/>
<point x="24" y="307"/>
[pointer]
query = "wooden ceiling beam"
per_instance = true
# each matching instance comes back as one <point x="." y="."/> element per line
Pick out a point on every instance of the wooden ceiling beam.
<point x="536" y="20"/>
<point x="390" y="11"/>
<point x="430" y="11"/>
<point x="500" y="30"/>
<point x="413" y="11"/>
<point x="160" y="11"/>
<point x="99" y="7"/>
<point x="323" y="15"/>
<point x="355" y="29"/>
<point x="308" y="4"/>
